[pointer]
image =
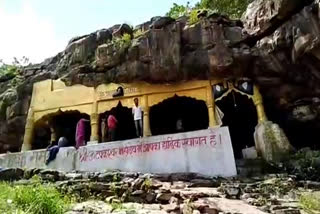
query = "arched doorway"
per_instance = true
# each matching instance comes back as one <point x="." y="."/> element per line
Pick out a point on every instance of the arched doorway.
<point x="126" y="128"/>
<point x="240" y="115"/>
<point x="63" y="123"/>
<point x="192" y="113"/>
<point x="41" y="135"/>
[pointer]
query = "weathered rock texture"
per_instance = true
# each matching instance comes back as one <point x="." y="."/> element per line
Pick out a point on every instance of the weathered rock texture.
<point x="182" y="193"/>
<point x="276" y="44"/>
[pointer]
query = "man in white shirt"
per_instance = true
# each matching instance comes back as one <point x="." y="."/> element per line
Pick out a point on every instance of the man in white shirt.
<point x="137" y="116"/>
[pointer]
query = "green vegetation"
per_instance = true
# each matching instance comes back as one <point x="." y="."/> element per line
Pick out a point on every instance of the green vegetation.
<point x="310" y="202"/>
<point x="138" y="33"/>
<point x="177" y="11"/>
<point x="8" y="71"/>
<point x="11" y="71"/>
<point x="180" y="10"/>
<point x="232" y="8"/>
<point x="147" y="184"/>
<point x="33" y="199"/>
<point x="193" y="17"/>
<point x="116" y="205"/>
<point x="122" y="43"/>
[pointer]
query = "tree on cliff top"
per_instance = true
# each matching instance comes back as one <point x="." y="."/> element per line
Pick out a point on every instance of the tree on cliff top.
<point x="177" y="10"/>
<point x="232" y="8"/>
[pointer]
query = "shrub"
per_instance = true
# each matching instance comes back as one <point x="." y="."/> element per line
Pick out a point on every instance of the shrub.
<point x="138" y="33"/>
<point x="193" y="17"/>
<point x="178" y="10"/>
<point x="311" y="202"/>
<point x="34" y="199"/>
<point x="122" y="43"/>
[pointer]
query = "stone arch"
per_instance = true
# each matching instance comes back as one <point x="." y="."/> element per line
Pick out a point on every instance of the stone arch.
<point x="198" y="94"/>
<point x="123" y="113"/>
<point x="240" y="115"/>
<point x="55" y="125"/>
<point x="192" y="113"/>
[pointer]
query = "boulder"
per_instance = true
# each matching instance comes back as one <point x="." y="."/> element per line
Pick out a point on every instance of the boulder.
<point x="271" y="142"/>
<point x="11" y="174"/>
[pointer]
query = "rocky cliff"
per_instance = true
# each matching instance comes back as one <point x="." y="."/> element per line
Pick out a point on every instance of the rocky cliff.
<point x="276" y="44"/>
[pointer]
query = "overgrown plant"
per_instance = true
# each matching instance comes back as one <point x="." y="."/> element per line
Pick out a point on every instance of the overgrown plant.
<point x="138" y="33"/>
<point x="193" y="17"/>
<point x="232" y="8"/>
<point x="33" y="199"/>
<point x="310" y="202"/>
<point x="177" y="11"/>
<point x="122" y="43"/>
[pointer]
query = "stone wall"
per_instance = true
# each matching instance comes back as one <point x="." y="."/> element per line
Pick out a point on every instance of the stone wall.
<point x="276" y="44"/>
<point x="208" y="152"/>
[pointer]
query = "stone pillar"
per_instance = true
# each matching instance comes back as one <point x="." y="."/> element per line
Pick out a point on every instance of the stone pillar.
<point x="146" y="121"/>
<point x="270" y="140"/>
<point x="258" y="102"/>
<point x="94" y="121"/>
<point x="28" y="134"/>
<point x="211" y="107"/>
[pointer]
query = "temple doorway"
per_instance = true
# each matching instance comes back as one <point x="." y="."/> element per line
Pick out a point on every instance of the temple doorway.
<point x="126" y="128"/>
<point x="41" y="135"/>
<point x="192" y="115"/>
<point x="240" y="115"/>
<point x="64" y="124"/>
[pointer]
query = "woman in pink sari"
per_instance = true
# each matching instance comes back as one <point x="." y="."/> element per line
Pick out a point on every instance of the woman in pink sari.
<point x="81" y="133"/>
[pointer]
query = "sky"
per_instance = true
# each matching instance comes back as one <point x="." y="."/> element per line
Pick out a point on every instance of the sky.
<point x="39" y="29"/>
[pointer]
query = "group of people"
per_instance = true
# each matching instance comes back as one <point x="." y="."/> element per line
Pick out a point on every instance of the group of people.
<point x="109" y="125"/>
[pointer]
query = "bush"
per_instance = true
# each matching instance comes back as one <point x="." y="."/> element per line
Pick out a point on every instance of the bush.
<point x="310" y="202"/>
<point x="37" y="199"/>
<point x="177" y="11"/>
<point x="232" y="8"/>
<point x="305" y="164"/>
<point x="193" y="17"/>
<point x="122" y="43"/>
<point x="138" y="33"/>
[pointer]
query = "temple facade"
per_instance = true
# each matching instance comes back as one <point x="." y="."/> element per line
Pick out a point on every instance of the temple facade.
<point x="52" y="99"/>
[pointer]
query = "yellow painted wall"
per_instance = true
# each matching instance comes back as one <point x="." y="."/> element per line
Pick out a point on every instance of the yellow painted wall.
<point x="51" y="96"/>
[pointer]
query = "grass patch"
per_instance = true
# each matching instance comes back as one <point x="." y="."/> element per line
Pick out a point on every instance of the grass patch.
<point x="310" y="202"/>
<point x="33" y="199"/>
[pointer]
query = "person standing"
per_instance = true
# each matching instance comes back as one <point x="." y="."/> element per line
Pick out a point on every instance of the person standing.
<point x="179" y="125"/>
<point x="104" y="130"/>
<point x="137" y="116"/>
<point x="81" y="133"/>
<point x="112" y="126"/>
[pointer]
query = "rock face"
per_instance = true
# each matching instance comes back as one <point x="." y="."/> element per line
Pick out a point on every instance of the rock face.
<point x="276" y="45"/>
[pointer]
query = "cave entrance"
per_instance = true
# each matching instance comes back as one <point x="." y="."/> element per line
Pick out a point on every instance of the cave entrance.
<point x="192" y="113"/>
<point x="300" y="133"/>
<point x="126" y="128"/>
<point x="64" y="124"/>
<point x="240" y="116"/>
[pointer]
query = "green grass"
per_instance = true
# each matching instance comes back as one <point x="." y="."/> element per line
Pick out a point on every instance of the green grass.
<point x="310" y="202"/>
<point x="32" y="199"/>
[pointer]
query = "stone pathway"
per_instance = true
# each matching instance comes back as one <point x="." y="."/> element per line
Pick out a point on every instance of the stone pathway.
<point x="129" y="193"/>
